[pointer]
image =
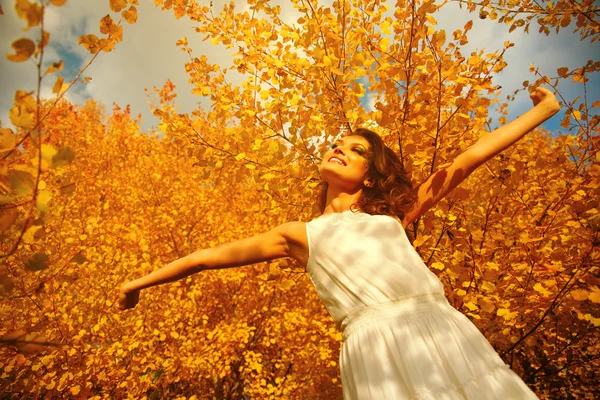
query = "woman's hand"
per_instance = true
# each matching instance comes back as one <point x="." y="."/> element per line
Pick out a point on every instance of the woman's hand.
<point x="541" y="95"/>
<point x="128" y="298"/>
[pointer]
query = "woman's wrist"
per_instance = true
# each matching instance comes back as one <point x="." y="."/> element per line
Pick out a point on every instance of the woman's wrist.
<point x="129" y="287"/>
<point x="550" y="106"/>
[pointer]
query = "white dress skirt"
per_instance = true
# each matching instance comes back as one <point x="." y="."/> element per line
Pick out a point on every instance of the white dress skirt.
<point x="402" y="339"/>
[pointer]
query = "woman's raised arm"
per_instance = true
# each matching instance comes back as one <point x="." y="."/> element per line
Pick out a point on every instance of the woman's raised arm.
<point x="287" y="240"/>
<point x="438" y="185"/>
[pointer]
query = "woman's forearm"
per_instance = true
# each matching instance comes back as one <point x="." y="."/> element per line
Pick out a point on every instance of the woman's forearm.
<point x="495" y="142"/>
<point x="173" y="271"/>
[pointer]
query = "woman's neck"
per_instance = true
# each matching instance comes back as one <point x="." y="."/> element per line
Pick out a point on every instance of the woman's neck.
<point x="340" y="201"/>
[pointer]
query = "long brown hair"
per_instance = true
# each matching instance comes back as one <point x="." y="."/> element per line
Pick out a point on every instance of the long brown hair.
<point x="391" y="193"/>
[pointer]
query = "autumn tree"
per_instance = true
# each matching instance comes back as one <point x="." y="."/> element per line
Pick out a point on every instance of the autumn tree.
<point x="90" y="201"/>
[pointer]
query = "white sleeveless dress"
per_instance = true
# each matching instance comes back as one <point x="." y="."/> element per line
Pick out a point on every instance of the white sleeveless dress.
<point x="402" y="339"/>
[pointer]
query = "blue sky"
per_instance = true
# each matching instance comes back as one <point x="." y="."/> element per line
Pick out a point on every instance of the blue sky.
<point x="148" y="56"/>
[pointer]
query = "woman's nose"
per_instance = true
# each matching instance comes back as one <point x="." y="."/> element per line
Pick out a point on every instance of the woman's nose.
<point x="338" y="150"/>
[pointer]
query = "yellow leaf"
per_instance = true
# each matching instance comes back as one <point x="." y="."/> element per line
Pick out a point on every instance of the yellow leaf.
<point x="42" y="200"/>
<point x="577" y="114"/>
<point x="471" y="306"/>
<point x="75" y="390"/>
<point x="268" y="176"/>
<point x="431" y="20"/>
<point x="595" y="295"/>
<point x="29" y="11"/>
<point x="358" y="59"/>
<point x="250" y="166"/>
<point x="240" y="156"/>
<point x="24" y="48"/>
<point x="130" y="15"/>
<point x="538" y="287"/>
<point x="48" y="151"/>
<point x="502" y="311"/>
<point x="385" y="27"/>
<point x="117" y="5"/>
<point x="287" y="284"/>
<point x="90" y="42"/>
<point x="106" y="24"/>
<point x="44" y="42"/>
<point x="420" y="240"/>
<point x="58" y="85"/>
<point x="7" y="139"/>
<point x="383" y="44"/>
<point x="579" y="294"/>
<point x="438" y="265"/>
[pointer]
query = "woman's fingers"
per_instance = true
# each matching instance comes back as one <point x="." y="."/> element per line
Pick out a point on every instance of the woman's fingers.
<point x="539" y="94"/>
<point x="128" y="300"/>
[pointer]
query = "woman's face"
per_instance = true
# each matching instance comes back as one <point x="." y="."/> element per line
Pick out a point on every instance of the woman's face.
<point x="346" y="163"/>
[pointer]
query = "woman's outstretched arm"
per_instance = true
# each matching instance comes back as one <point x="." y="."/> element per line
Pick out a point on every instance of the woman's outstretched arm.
<point x="438" y="185"/>
<point x="287" y="240"/>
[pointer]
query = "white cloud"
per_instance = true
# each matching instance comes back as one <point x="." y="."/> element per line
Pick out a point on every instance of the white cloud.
<point x="146" y="58"/>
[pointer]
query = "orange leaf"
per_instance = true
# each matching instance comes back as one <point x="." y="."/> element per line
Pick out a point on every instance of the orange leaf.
<point x="562" y="72"/>
<point x="117" y="5"/>
<point x="130" y="15"/>
<point x="106" y="24"/>
<point x="58" y="85"/>
<point x="90" y="42"/>
<point x="24" y="48"/>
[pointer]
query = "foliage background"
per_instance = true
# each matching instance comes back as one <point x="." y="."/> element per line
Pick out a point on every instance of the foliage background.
<point x="89" y="201"/>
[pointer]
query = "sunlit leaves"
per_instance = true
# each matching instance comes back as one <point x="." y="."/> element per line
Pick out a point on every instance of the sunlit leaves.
<point x="504" y="244"/>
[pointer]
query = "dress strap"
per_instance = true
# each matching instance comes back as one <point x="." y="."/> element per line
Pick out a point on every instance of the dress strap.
<point x="383" y="312"/>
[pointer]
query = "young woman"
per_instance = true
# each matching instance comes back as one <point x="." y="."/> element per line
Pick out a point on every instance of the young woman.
<point x="402" y="339"/>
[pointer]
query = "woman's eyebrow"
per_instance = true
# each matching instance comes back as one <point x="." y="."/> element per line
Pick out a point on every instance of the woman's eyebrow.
<point x="352" y="143"/>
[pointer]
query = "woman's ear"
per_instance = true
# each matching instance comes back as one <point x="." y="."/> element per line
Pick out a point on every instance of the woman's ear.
<point x="369" y="183"/>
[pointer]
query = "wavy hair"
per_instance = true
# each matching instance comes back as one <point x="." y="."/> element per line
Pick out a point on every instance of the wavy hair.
<point x="392" y="192"/>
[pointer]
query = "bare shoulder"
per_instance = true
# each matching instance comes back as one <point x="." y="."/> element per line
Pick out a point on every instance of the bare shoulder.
<point x="295" y="236"/>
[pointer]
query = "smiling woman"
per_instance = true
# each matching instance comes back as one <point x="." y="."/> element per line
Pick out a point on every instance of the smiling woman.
<point x="402" y="339"/>
<point x="387" y="190"/>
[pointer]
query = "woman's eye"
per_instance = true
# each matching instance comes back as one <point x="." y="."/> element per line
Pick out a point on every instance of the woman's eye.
<point x="333" y="146"/>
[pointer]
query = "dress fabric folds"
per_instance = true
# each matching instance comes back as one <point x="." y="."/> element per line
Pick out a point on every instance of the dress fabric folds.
<point x="402" y="339"/>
